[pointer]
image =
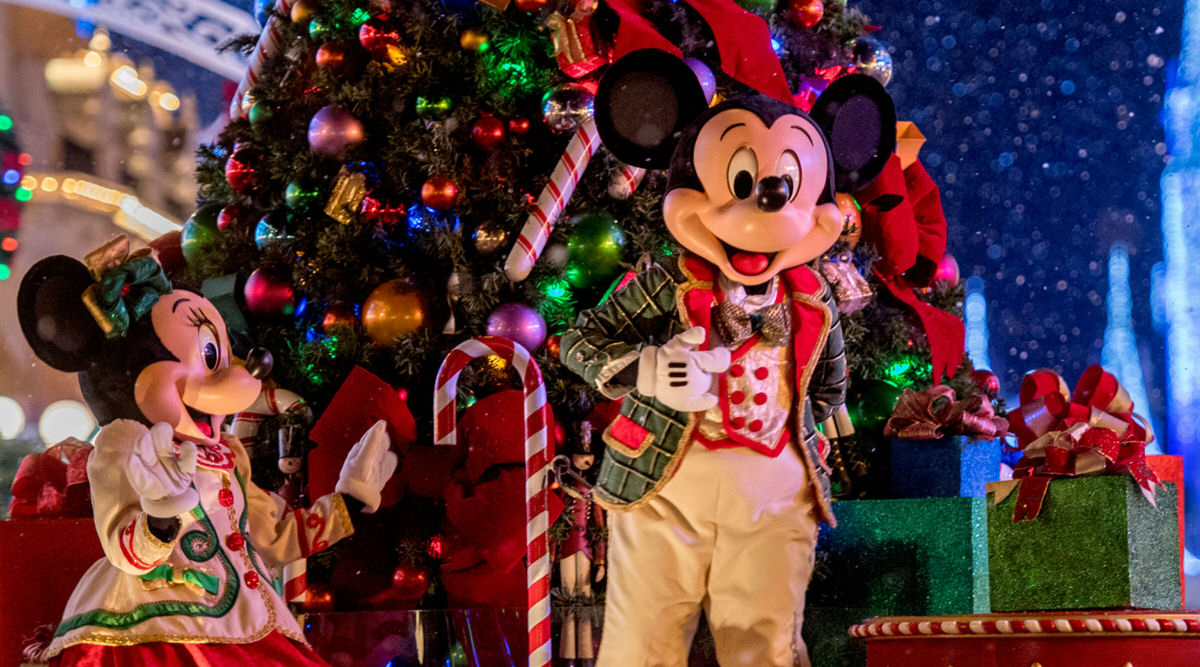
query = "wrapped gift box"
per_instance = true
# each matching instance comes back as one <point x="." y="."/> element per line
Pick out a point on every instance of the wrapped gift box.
<point x="1097" y="543"/>
<point x="41" y="560"/>
<point x="829" y="645"/>
<point x="905" y="556"/>
<point x="950" y="466"/>
<point x="1170" y="469"/>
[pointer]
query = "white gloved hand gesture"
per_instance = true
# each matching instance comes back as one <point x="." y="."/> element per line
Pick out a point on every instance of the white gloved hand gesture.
<point x="162" y="480"/>
<point x="368" y="466"/>
<point x="679" y="375"/>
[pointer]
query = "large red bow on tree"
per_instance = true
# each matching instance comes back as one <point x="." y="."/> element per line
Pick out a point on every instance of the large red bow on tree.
<point x="53" y="483"/>
<point x="902" y="219"/>
<point x="1092" y="431"/>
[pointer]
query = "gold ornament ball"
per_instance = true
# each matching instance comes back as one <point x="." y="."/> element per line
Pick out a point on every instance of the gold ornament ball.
<point x="394" y="309"/>
<point x="302" y="11"/>
<point x="851" y="220"/>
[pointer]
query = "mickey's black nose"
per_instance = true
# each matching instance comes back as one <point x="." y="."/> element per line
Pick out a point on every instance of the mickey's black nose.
<point x="259" y="362"/>
<point x="771" y="194"/>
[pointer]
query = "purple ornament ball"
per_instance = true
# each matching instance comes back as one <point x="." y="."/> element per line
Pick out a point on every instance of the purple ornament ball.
<point x="518" y="322"/>
<point x="708" y="82"/>
<point x="332" y="131"/>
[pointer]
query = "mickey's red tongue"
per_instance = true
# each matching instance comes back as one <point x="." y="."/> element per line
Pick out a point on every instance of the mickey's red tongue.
<point x="205" y="428"/>
<point x="749" y="263"/>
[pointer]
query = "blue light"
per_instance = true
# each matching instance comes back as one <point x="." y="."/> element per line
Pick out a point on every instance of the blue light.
<point x="777" y="46"/>
<point x="975" y="319"/>
<point x="11" y="177"/>
<point x="1181" y="251"/>
<point x="1119" y="355"/>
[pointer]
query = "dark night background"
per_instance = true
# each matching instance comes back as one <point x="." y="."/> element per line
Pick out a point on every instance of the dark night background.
<point x="1042" y="120"/>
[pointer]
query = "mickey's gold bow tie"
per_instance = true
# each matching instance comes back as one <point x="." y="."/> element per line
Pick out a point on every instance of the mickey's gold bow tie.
<point x="734" y="325"/>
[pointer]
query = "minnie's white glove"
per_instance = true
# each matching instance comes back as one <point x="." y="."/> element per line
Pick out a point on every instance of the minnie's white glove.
<point x="368" y="467"/>
<point x="162" y="480"/>
<point x="679" y="375"/>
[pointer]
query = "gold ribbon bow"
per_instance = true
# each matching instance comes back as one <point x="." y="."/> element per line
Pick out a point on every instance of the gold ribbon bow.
<point x="735" y="326"/>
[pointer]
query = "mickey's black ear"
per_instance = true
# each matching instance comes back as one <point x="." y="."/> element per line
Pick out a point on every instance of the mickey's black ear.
<point x="644" y="101"/>
<point x="53" y="318"/>
<point x="859" y="120"/>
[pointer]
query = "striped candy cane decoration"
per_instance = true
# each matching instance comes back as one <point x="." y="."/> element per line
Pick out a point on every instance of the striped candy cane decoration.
<point x="268" y="45"/>
<point x="552" y="201"/>
<point x="625" y="182"/>
<point x="537" y="466"/>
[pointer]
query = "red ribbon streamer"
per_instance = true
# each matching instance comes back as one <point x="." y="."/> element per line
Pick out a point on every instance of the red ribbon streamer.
<point x="945" y="332"/>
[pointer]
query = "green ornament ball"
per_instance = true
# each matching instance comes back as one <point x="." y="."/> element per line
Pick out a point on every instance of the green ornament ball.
<point x="871" y="403"/>
<point x="322" y="29"/>
<point x="260" y="114"/>
<point x="199" y="233"/>
<point x="300" y="197"/>
<point x="594" y="249"/>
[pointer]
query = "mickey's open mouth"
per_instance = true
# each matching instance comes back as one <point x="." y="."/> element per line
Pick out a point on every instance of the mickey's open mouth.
<point x="203" y="421"/>
<point x="746" y="262"/>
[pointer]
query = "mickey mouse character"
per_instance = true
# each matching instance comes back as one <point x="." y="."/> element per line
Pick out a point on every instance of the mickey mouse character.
<point x="190" y="542"/>
<point x="726" y="362"/>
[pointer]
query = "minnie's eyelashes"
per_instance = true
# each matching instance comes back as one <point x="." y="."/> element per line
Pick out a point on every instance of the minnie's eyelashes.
<point x="197" y="318"/>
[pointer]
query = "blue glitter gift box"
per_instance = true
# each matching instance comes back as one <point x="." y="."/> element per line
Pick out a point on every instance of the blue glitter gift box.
<point x="950" y="466"/>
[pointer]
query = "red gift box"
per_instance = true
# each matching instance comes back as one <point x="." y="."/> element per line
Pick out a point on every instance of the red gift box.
<point x="40" y="562"/>
<point x="1170" y="469"/>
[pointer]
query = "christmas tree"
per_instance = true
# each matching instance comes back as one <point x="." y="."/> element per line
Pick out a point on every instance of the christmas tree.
<point x="368" y="211"/>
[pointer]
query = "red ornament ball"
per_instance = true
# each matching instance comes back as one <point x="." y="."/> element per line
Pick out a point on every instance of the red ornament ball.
<point x="488" y="132"/>
<point x="381" y="38"/>
<point x="554" y="345"/>
<point x="530" y="6"/>
<point x="410" y="582"/>
<point x="268" y="295"/>
<point x="240" y="169"/>
<point x="518" y="126"/>
<point x="331" y="56"/>
<point x="947" y="271"/>
<point x="805" y="13"/>
<point x="231" y="215"/>
<point x="987" y="382"/>
<point x="439" y="193"/>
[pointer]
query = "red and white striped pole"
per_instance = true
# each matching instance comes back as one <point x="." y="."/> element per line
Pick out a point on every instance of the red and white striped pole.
<point x="267" y="46"/>
<point x="553" y="200"/>
<point x="537" y="468"/>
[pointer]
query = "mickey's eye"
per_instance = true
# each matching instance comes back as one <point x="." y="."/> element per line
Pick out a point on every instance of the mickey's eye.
<point x="789" y="171"/>
<point x="210" y="349"/>
<point x="743" y="172"/>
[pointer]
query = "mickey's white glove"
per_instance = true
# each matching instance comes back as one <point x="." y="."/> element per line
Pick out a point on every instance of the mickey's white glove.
<point x="679" y="375"/>
<point x="162" y="480"/>
<point x="368" y="467"/>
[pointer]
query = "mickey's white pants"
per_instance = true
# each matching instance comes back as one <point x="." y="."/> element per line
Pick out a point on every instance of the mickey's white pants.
<point x="733" y="533"/>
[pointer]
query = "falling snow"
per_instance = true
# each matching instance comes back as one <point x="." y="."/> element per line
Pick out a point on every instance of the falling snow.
<point x="1042" y="120"/>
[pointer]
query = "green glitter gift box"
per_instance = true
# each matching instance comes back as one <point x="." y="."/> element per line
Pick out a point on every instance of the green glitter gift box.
<point x="1097" y="543"/>
<point x="904" y="557"/>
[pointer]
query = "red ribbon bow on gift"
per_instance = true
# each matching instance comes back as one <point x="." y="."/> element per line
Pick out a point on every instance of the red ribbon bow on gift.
<point x="1093" y="431"/>
<point x="936" y="412"/>
<point x="53" y="483"/>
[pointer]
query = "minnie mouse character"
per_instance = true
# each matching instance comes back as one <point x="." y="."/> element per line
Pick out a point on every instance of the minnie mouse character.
<point x="726" y="361"/>
<point x="190" y="542"/>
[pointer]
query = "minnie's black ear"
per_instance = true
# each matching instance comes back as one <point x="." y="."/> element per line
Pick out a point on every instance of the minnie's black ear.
<point x="859" y="120"/>
<point x="643" y="103"/>
<point x="53" y="318"/>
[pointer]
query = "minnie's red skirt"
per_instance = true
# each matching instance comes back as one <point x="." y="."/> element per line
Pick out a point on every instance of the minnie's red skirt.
<point x="274" y="650"/>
